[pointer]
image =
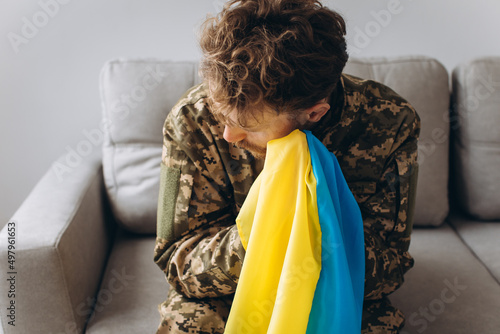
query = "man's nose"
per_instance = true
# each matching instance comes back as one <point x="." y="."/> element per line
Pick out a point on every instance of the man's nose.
<point x="233" y="134"/>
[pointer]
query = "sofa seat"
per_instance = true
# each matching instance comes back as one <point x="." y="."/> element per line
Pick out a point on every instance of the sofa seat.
<point x="447" y="285"/>
<point x="132" y="288"/>
<point x="482" y="237"/>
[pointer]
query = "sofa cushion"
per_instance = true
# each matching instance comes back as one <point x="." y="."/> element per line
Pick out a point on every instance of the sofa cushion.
<point x="136" y="97"/>
<point x="476" y="140"/>
<point x="131" y="289"/>
<point x="424" y="83"/>
<point x="481" y="238"/>
<point x="448" y="290"/>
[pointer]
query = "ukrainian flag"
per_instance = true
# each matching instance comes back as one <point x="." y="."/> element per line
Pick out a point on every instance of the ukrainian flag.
<point x="301" y="227"/>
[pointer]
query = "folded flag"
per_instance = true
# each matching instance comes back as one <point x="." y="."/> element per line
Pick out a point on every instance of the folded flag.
<point x="301" y="227"/>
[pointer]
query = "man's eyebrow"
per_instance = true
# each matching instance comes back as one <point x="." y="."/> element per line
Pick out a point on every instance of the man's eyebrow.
<point x="249" y="128"/>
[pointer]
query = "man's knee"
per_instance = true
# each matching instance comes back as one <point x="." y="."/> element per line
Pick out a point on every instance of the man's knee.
<point x="184" y="315"/>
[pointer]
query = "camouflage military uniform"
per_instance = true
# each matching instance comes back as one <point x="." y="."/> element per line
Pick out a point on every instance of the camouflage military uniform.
<point x="204" y="181"/>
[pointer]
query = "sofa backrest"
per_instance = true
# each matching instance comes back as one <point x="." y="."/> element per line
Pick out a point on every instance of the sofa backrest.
<point x="136" y="97"/>
<point x="138" y="94"/>
<point x="476" y="138"/>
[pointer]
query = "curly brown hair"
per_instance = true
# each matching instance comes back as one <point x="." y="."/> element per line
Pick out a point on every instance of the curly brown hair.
<point x="285" y="54"/>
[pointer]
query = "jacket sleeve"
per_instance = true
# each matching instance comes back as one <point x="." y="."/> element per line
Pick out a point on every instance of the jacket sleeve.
<point x="197" y="244"/>
<point x="388" y="214"/>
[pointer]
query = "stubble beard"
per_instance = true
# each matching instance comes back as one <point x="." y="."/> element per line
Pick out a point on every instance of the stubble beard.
<point x="257" y="151"/>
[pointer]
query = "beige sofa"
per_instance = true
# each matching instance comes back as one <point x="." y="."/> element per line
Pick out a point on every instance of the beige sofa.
<point x="85" y="235"/>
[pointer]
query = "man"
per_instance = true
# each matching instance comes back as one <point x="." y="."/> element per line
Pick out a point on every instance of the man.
<point x="272" y="66"/>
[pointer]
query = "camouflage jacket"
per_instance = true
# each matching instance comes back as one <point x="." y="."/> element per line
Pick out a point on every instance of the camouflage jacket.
<point x="204" y="180"/>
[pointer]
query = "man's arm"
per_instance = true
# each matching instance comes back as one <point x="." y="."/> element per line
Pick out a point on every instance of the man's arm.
<point x="197" y="245"/>
<point x="387" y="214"/>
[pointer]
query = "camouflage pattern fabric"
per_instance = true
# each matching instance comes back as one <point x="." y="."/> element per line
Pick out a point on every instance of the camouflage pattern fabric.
<point x="372" y="131"/>
<point x="195" y="316"/>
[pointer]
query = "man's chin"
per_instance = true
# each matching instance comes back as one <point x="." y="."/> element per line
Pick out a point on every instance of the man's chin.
<point x="258" y="155"/>
<point x="256" y="151"/>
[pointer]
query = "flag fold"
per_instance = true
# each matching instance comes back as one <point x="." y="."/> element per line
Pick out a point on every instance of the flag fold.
<point x="303" y="270"/>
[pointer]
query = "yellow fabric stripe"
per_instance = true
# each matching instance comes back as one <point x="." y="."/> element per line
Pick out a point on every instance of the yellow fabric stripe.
<point x="279" y="227"/>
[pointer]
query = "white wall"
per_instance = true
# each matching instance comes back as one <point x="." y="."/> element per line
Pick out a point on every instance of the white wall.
<point x="49" y="82"/>
<point x="452" y="31"/>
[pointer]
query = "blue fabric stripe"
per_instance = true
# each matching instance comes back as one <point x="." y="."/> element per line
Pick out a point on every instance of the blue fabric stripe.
<point x="338" y="299"/>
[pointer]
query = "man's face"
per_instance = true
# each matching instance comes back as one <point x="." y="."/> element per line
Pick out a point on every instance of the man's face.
<point x="255" y="135"/>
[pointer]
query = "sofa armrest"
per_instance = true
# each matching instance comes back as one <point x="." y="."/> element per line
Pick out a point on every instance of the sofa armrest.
<point x="62" y="241"/>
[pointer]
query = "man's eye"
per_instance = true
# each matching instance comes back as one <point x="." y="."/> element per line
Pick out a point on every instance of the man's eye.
<point x="250" y="129"/>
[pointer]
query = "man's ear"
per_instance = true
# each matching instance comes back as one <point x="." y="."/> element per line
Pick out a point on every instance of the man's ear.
<point x="317" y="111"/>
